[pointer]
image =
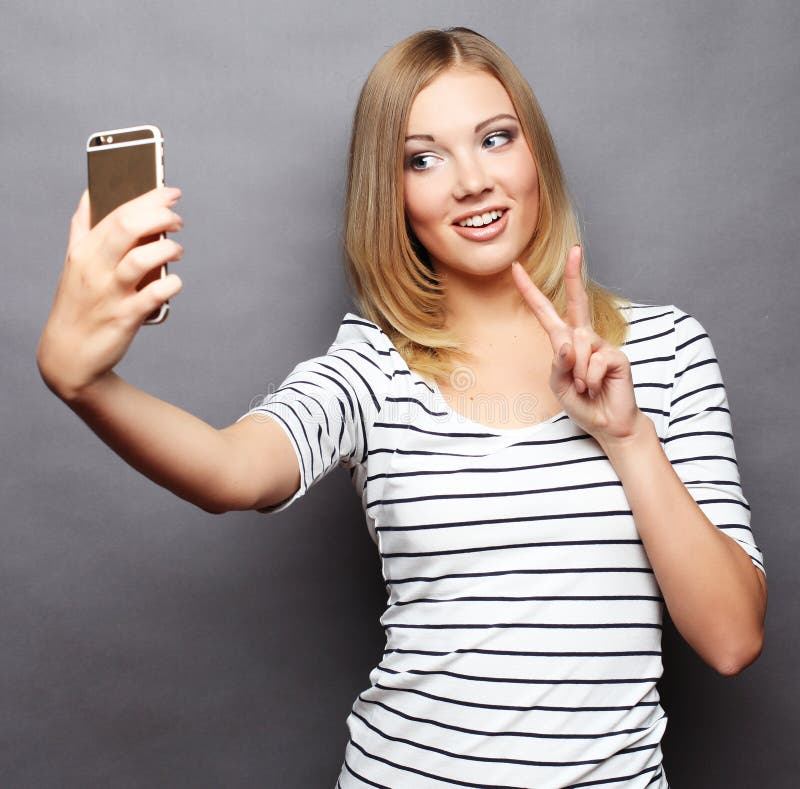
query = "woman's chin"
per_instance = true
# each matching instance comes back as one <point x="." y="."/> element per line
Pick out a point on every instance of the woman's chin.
<point x="485" y="265"/>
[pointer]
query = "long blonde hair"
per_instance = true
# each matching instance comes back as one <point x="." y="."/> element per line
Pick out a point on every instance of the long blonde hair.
<point x="387" y="267"/>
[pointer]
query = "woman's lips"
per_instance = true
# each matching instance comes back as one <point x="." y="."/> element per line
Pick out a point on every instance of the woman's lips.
<point x="485" y="233"/>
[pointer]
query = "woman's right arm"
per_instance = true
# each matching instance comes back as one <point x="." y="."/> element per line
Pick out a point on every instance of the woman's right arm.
<point x="95" y="315"/>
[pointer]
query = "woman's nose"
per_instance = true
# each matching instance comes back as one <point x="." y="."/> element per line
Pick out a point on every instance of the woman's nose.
<point x="472" y="178"/>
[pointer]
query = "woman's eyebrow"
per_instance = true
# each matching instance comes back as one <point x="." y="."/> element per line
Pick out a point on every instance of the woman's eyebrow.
<point x="481" y="125"/>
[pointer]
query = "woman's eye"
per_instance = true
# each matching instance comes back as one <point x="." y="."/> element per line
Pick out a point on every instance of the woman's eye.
<point x="422" y="161"/>
<point x="497" y="139"/>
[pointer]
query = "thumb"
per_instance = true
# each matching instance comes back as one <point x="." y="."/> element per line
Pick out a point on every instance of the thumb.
<point x="81" y="220"/>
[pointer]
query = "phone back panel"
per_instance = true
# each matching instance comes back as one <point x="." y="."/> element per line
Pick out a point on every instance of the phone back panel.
<point x="123" y="164"/>
<point x="118" y="174"/>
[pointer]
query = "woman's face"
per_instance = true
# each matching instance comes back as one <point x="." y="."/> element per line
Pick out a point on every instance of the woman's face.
<point x="467" y="163"/>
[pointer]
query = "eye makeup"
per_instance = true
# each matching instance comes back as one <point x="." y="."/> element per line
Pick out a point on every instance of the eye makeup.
<point x="415" y="161"/>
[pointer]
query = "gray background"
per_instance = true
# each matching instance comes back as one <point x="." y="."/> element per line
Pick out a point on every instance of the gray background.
<point x="147" y="643"/>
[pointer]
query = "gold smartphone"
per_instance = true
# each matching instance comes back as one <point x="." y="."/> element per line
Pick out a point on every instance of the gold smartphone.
<point x="123" y="164"/>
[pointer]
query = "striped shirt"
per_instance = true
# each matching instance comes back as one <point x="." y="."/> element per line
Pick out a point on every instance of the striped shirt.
<point x="523" y="622"/>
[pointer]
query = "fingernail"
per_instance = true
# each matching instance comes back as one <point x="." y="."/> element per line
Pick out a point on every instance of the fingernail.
<point x="563" y="352"/>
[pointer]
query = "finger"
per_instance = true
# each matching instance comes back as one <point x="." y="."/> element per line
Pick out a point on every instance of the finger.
<point x="146" y="215"/>
<point x="561" y="381"/>
<point x="150" y="298"/>
<point x="141" y="259"/>
<point x="578" y="313"/>
<point x="79" y="225"/>
<point x="582" y="342"/>
<point x="598" y="367"/>
<point x="542" y="307"/>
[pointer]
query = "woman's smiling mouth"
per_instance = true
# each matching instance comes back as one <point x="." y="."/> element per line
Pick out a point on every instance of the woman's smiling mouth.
<point x="478" y="220"/>
<point x="482" y="226"/>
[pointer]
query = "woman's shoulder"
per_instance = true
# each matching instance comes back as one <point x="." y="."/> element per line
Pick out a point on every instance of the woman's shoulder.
<point x="354" y="328"/>
<point x="643" y="317"/>
<point x="364" y="343"/>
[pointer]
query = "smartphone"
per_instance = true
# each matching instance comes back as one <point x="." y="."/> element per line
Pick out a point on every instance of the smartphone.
<point x="122" y="164"/>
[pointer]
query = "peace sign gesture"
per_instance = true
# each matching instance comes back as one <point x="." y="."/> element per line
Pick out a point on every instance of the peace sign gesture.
<point x="590" y="377"/>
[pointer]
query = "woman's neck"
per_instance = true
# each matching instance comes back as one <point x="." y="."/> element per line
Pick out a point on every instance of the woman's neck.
<point x="487" y="313"/>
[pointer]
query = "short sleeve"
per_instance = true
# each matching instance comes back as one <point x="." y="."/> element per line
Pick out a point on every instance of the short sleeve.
<point x="699" y="437"/>
<point x="327" y="405"/>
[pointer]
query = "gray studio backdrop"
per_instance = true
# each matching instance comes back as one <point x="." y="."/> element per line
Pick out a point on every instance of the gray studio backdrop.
<point x="147" y="643"/>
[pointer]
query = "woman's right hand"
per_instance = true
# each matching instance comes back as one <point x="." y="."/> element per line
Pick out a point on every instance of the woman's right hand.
<point x="97" y="309"/>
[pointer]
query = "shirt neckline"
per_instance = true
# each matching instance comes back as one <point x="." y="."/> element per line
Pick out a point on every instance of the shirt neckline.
<point x="457" y="416"/>
<point x="503" y="431"/>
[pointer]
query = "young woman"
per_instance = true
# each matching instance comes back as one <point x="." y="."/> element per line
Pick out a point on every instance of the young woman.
<point x="542" y="464"/>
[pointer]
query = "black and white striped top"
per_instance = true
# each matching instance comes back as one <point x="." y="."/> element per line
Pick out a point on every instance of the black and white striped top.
<point x="523" y="621"/>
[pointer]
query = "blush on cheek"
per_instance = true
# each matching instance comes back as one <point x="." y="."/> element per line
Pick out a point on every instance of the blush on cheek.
<point x="418" y="209"/>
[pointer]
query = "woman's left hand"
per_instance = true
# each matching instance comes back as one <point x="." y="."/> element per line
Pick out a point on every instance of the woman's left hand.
<point x="590" y="377"/>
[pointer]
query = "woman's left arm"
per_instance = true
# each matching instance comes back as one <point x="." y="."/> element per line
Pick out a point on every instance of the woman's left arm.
<point x="716" y="596"/>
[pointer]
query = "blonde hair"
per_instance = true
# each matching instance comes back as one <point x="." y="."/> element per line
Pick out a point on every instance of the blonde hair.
<point x="387" y="267"/>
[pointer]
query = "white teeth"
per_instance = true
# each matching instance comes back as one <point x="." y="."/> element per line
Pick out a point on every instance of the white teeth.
<point x="479" y="220"/>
